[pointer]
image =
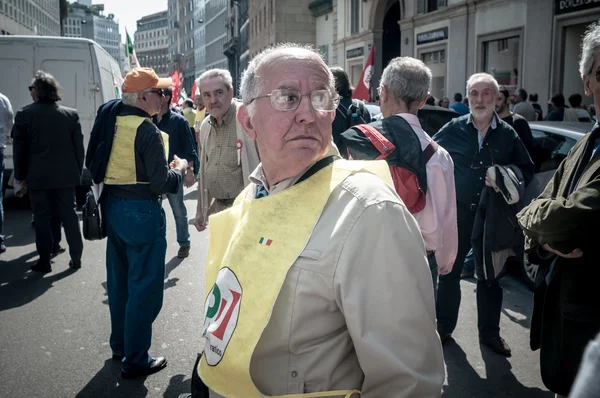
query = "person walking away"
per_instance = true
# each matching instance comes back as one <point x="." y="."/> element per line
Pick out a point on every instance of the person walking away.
<point x="524" y="108"/>
<point x="6" y="123"/>
<point x="458" y="105"/>
<point x="181" y="143"/>
<point x="49" y="157"/>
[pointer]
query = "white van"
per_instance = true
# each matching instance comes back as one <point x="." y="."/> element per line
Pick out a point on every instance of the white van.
<point x="89" y="77"/>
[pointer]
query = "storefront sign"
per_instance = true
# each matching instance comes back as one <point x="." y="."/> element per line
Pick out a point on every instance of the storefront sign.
<point x="433" y="35"/>
<point x="566" y="6"/>
<point x="355" y="52"/>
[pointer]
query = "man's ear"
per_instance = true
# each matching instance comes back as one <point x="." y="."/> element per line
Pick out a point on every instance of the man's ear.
<point x="243" y="118"/>
<point x="587" y="89"/>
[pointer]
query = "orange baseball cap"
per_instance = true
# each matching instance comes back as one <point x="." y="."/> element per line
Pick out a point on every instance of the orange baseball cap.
<point x="140" y="79"/>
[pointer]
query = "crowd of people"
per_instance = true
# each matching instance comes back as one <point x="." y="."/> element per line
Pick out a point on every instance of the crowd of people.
<point x="337" y="243"/>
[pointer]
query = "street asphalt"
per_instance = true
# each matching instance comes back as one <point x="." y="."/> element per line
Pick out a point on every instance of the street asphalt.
<point x="54" y="328"/>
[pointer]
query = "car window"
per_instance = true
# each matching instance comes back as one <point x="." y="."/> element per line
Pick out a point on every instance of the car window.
<point x="549" y="150"/>
<point x="433" y="120"/>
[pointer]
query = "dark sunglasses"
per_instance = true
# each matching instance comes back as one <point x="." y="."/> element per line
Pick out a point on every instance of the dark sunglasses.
<point x="481" y="165"/>
<point x="159" y="91"/>
<point x="31" y="88"/>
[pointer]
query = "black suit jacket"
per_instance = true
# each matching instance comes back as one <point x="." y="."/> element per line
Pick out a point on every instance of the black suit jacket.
<point x="48" y="146"/>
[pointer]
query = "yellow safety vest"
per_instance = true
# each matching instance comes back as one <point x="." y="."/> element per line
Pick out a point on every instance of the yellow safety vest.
<point x="121" y="168"/>
<point x="190" y="115"/>
<point x="252" y="246"/>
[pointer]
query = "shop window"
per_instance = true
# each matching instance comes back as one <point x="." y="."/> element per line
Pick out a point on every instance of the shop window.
<point x="434" y="57"/>
<point x="502" y="59"/>
<point x="354" y="16"/>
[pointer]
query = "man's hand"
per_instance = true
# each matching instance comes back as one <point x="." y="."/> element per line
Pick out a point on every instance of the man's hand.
<point x="444" y="270"/>
<point x="199" y="222"/>
<point x="189" y="178"/>
<point x="488" y="183"/>
<point x="180" y="164"/>
<point x="577" y="253"/>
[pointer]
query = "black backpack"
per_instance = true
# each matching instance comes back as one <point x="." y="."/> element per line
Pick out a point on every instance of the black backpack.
<point x="354" y="113"/>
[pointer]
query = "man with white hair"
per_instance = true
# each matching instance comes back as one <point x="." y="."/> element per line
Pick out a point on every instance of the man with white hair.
<point x="128" y="153"/>
<point x="404" y="90"/>
<point x="227" y="155"/>
<point x="477" y="141"/>
<point x="304" y="296"/>
<point x="561" y="225"/>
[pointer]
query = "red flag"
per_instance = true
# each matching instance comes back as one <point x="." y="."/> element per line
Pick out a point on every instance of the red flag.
<point x="192" y="94"/>
<point x="363" y="89"/>
<point x="175" y="85"/>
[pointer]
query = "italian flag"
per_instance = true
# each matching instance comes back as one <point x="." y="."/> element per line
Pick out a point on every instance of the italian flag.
<point x="265" y="241"/>
<point x="133" y="61"/>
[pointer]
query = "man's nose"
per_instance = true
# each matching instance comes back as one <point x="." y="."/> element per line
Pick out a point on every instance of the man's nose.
<point x="305" y="112"/>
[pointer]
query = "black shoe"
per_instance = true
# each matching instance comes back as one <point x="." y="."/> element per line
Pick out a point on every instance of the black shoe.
<point x="75" y="264"/>
<point x="58" y="250"/>
<point x="2" y="249"/>
<point x="497" y="344"/>
<point x="156" y="365"/>
<point x="41" y="267"/>
<point x="117" y="357"/>
<point x="184" y="251"/>
<point x="445" y="338"/>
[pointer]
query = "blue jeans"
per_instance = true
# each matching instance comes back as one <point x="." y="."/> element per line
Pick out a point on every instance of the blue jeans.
<point x="2" y="165"/>
<point x="135" y="267"/>
<point x="180" y="214"/>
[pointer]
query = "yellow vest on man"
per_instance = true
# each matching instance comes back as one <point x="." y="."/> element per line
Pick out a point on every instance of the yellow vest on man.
<point x="121" y="168"/>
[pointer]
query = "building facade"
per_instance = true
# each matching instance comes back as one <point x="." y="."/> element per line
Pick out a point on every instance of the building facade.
<point x="279" y="21"/>
<point x="217" y="23"/>
<point x="199" y="38"/>
<point x="151" y="41"/>
<point x="90" y="23"/>
<point x="181" y="24"/>
<point x="30" y="17"/>
<point x="533" y="44"/>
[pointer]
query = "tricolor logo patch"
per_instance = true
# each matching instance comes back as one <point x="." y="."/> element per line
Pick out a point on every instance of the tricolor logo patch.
<point x="265" y="241"/>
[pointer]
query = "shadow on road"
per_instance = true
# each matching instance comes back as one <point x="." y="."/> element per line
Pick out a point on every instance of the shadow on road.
<point x="463" y="381"/>
<point x="17" y="232"/>
<point x="108" y="383"/>
<point x="177" y="385"/>
<point x="19" y="285"/>
<point x="192" y="195"/>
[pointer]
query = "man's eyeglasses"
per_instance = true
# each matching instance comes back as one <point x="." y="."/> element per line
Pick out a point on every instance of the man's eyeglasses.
<point x="478" y="165"/>
<point x="287" y="100"/>
<point x="598" y="75"/>
<point x="160" y="92"/>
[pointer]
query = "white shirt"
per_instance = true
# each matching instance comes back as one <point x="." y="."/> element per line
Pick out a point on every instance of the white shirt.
<point x="6" y="119"/>
<point x="437" y="220"/>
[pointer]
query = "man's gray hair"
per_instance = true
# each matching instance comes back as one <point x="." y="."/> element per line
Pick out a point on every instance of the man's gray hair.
<point x="222" y="73"/>
<point x="483" y="77"/>
<point x="590" y="48"/>
<point x="251" y="79"/>
<point x="130" y="98"/>
<point x="407" y="79"/>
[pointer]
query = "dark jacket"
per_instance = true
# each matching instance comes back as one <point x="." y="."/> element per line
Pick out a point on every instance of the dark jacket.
<point x="181" y="137"/>
<point x="101" y="139"/>
<point x="496" y="228"/>
<point x="566" y="310"/>
<point x="150" y="163"/>
<point x="521" y="126"/>
<point x="501" y="146"/>
<point x="48" y="146"/>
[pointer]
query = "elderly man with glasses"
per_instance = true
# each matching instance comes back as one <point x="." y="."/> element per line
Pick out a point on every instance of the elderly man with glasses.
<point x="128" y="154"/>
<point x="317" y="281"/>
<point x="477" y="141"/>
<point x="561" y="226"/>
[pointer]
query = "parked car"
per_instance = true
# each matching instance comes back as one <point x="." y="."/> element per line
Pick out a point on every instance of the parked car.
<point x="432" y="117"/>
<point x="552" y="141"/>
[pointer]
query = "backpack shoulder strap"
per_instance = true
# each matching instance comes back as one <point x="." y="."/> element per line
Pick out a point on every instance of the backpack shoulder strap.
<point x="379" y="141"/>
<point x="430" y="150"/>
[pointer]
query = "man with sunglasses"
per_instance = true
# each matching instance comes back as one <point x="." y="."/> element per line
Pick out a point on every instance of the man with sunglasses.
<point x="227" y="155"/>
<point x="475" y="142"/>
<point x="128" y="154"/>
<point x="317" y="279"/>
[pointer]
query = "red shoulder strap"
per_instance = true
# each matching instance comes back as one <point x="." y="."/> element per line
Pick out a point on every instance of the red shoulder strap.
<point x="430" y="150"/>
<point x="383" y="145"/>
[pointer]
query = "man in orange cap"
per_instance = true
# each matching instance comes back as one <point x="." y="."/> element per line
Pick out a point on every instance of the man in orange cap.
<point x="127" y="153"/>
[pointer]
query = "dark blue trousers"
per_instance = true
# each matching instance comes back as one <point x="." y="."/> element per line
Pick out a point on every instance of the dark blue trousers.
<point x="135" y="267"/>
